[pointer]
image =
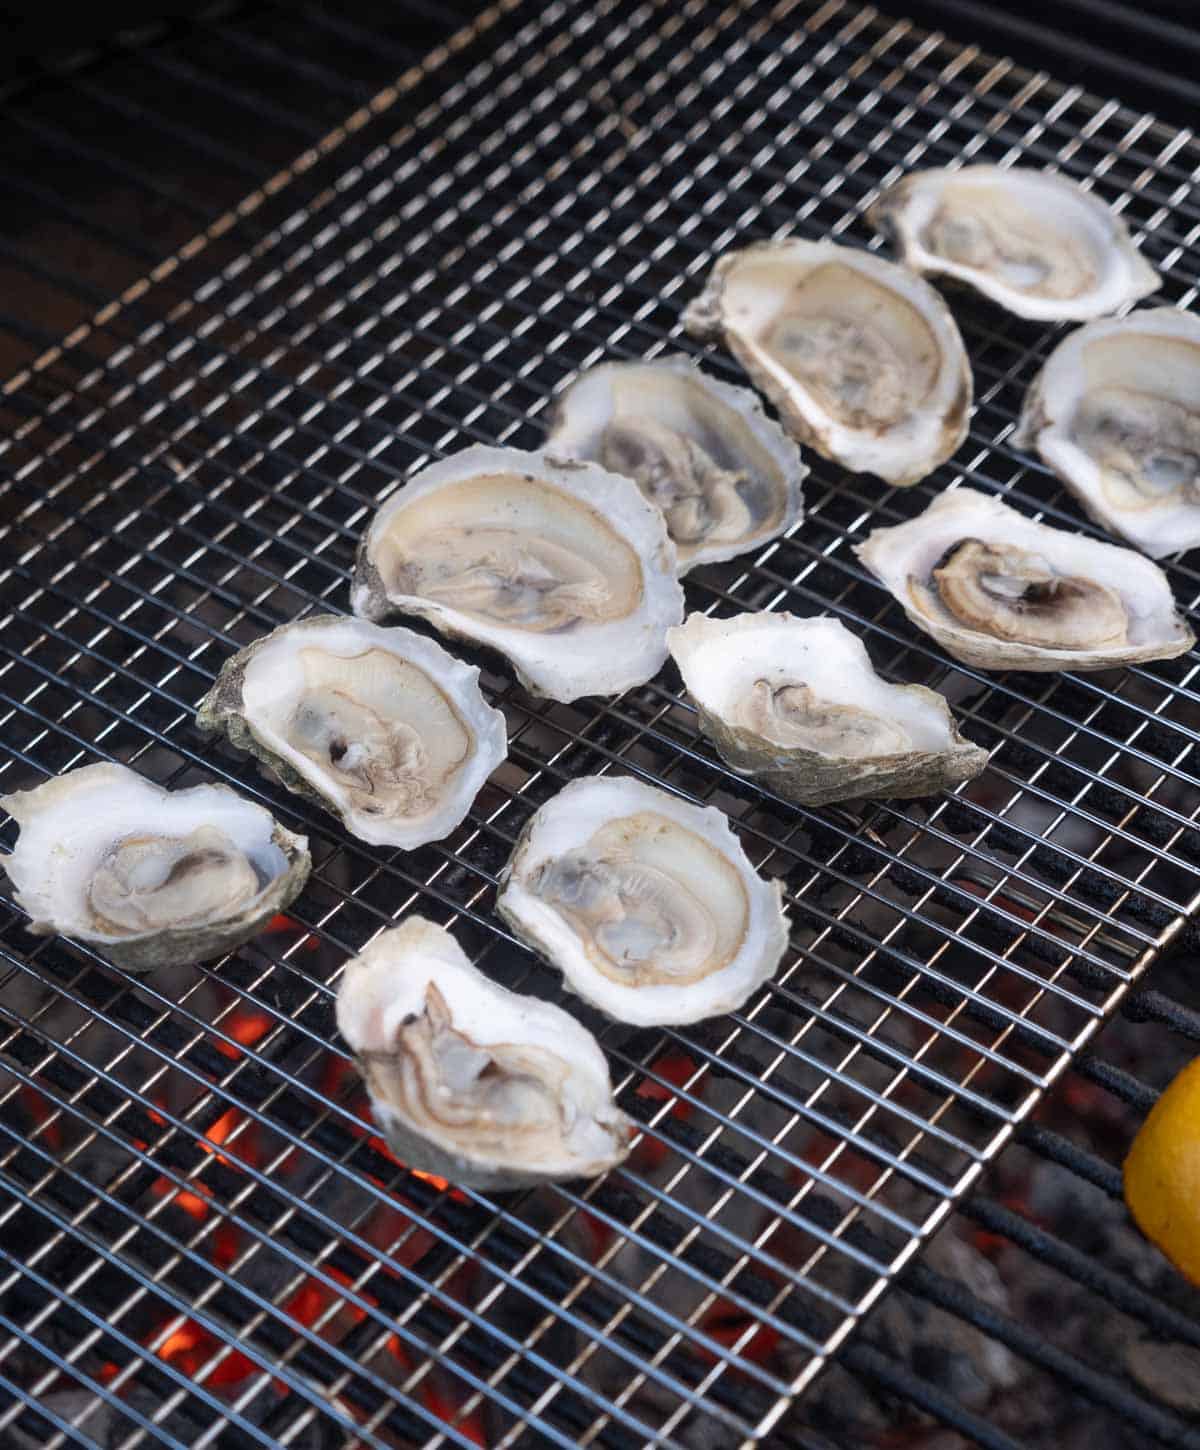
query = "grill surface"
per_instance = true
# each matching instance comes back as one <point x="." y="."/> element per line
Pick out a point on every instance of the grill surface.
<point x="194" y="467"/>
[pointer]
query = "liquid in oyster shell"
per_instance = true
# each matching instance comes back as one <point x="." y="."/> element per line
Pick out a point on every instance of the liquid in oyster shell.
<point x="150" y="877"/>
<point x="1115" y="412"/>
<point x="796" y="704"/>
<point x="1033" y="241"/>
<point x="861" y="358"/>
<point x="725" y="477"/>
<point x="382" y="726"/>
<point x="467" y="1080"/>
<point x="999" y="591"/>
<point x="646" y="903"/>
<point x="563" y="567"/>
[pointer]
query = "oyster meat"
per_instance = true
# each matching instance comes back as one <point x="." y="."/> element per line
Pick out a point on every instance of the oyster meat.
<point x="1033" y="241"/>
<point x="1115" y="412"/>
<point x="467" y="1080"/>
<point x="796" y="704"/>
<point x="861" y="357"/>
<point x="381" y="726"/>
<point x="999" y="592"/>
<point x="150" y="877"/>
<point x="724" y="475"/>
<point x="646" y="904"/>
<point x="564" y="568"/>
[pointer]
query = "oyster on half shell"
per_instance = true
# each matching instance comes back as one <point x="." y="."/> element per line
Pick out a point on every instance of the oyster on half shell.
<point x="467" y="1080"/>
<point x="1033" y="241"/>
<point x="724" y="475"/>
<point x="381" y="726"/>
<point x="646" y="904"/>
<point x="559" y="565"/>
<point x="1115" y="412"/>
<point x="860" y="356"/>
<point x="150" y="877"/>
<point x="796" y="703"/>
<point x="999" y="592"/>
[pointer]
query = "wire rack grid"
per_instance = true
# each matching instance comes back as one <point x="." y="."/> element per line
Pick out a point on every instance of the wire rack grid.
<point x="195" y="466"/>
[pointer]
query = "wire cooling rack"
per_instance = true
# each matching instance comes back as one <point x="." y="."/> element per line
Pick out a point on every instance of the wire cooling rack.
<point x="195" y="466"/>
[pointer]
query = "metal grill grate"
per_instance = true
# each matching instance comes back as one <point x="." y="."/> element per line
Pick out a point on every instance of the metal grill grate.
<point x="217" y="1250"/>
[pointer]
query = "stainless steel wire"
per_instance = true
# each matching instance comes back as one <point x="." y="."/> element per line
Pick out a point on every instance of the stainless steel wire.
<point x="194" y="466"/>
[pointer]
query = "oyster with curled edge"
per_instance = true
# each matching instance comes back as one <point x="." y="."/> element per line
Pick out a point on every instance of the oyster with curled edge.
<point x="1115" y="412"/>
<point x="646" y="903"/>
<point x="149" y="877"/>
<point x="1033" y="241"/>
<point x="470" y="1081"/>
<point x="562" y="567"/>
<point x="796" y="704"/>
<point x="724" y="475"/>
<point x="998" y="591"/>
<point x="861" y="357"/>
<point x="381" y="726"/>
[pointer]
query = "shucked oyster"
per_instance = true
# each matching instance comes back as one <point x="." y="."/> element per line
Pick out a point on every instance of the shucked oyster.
<point x="998" y="591"/>
<point x="1116" y="413"/>
<point x="150" y="877"/>
<point x="469" y="1081"/>
<point x="861" y="357"/>
<point x="564" y="568"/>
<point x="725" y="477"/>
<point x="381" y="726"/>
<point x="1033" y="241"/>
<point x="796" y="704"/>
<point x="646" y="904"/>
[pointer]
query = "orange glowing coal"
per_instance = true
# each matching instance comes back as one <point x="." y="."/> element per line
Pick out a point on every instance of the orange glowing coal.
<point x="246" y="1028"/>
<point x="190" y="1347"/>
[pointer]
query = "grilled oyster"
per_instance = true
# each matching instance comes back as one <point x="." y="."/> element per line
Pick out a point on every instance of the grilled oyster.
<point x="381" y="726"/>
<point x="725" y="477"/>
<point x="796" y="704"/>
<point x="1116" y="413"/>
<point x="861" y="358"/>
<point x="1033" y="241"/>
<point x="564" y="568"/>
<point x="999" y="591"/>
<point x="646" y="904"/>
<point x="150" y="877"/>
<point x="469" y="1081"/>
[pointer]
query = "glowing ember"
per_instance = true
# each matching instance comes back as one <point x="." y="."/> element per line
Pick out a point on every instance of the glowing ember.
<point x="191" y="1347"/>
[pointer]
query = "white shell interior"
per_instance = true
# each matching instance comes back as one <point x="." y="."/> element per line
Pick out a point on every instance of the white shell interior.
<point x="435" y="696"/>
<point x="721" y="661"/>
<point x="727" y="422"/>
<point x="613" y="540"/>
<point x="1132" y="375"/>
<point x="69" y="824"/>
<point x="1033" y="241"/>
<point x="387" y="983"/>
<point x="739" y="900"/>
<point x="864" y="352"/>
<point x="904" y="556"/>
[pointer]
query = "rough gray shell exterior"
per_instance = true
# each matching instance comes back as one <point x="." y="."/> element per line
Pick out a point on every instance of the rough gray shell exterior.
<point x="813" y="779"/>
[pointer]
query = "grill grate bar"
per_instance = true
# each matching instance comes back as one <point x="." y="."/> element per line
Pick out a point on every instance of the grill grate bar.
<point x="196" y="466"/>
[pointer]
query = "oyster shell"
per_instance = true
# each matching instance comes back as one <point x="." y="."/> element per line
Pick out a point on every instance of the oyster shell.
<point x="381" y="726"/>
<point x="998" y="591"/>
<point x="1033" y="241"/>
<point x="564" y="568"/>
<point x="796" y="704"/>
<point x="150" y="877"/>
<point x="1115" y="412"/>
<point x="646" y="904"/>
<point x="468" y="1080"/>
<point x="724" y="475"/>
<point x="861" y="358"/>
